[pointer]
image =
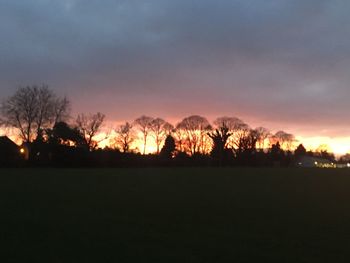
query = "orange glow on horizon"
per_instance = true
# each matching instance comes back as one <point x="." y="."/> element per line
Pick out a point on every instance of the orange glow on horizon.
<point x="137" y="146"/>
<point x="338" y="145"/>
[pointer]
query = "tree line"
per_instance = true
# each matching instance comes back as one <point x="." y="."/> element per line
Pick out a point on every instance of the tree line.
<point x="44" y="123"/>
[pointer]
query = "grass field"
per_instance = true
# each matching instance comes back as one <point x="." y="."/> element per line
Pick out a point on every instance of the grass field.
<point x="175" y="215"/>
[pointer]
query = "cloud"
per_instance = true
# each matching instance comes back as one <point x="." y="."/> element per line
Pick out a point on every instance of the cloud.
<point x="283" y="62"/>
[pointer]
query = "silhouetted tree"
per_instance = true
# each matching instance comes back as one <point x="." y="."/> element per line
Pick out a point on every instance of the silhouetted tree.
<point x="168" y="128"/>
<point x="241" y="139"/>
<point x="237" y="128"/>
<point x="89" y="126"/>
<point x="262" y="134"/>
<point x="160" y="129"/>
<point x="168" y="148"/>
<point x="63" y="134"/>
<point x="124" y="137"/>
<point x="220" y="137"/>
<point x="285" y="139"/>
<point x="144" y="123"/>
<point x="61" y="109"/>
<point x="276" y="154"/>
<point x="180" y="140"/>
<point x="33" y="109"/>
<point x="246" y="147"/>
<point x="251" y="141"/>
<point x="300" y="151"/>
<point x="195" y="128"/>
<point x="232" y="123"/>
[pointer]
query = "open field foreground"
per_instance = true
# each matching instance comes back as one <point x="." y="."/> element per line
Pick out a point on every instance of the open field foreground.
<point x="175" y="215"/>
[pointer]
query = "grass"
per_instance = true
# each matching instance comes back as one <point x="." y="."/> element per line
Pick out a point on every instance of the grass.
<point x="175" y="215"/>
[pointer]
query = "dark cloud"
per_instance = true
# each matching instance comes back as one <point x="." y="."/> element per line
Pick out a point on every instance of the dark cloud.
<point x="281" y="62"/>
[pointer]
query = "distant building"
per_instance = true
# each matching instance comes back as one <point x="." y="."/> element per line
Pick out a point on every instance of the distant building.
<point x="310" y="161"/>
<point x="10" y="152"/>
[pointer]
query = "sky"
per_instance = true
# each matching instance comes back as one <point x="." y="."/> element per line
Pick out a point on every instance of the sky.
<point x="282" y="64"/>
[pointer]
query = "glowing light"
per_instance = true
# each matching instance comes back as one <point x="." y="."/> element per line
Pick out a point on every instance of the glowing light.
<point x="22" y="151"/>
<point x="339" y="146"/>
<point x="339" y="149"/>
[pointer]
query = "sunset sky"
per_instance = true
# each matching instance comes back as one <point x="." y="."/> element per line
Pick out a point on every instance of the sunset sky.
<point x="282" y="64"/>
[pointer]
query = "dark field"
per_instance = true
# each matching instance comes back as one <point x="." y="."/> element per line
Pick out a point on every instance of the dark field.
<point x="175" y="215"/>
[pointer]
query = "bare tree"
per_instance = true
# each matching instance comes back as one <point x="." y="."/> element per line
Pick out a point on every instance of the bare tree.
<point x="124" y="137"/>
<point x="262" y="135"/>
<point x="285" y="139"/>
<point x="239" y="131"/>
<point x="168" y="128"/>
<point x="61" y="109"/>
<point x="89" y="126"/>
<point x="44" y="108"/>
<point x="247" y="141"/>
<point x="240" y="138"/>
<point x="30" y="110"/>
<point x="144" y="123"/>
<point x="232" y="123"/>
<point x="180" y="140"/>
<point x="160" y="129"/>
<point x="196" y="129"/>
